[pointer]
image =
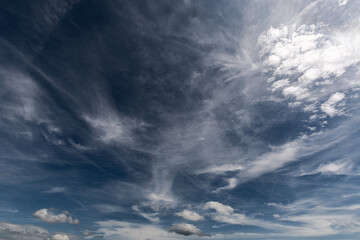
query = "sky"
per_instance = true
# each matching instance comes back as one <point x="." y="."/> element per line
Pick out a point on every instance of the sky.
<point x="175" y="120"/>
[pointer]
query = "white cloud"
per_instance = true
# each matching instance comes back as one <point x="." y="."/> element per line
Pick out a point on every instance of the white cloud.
<point x="48" y="216"/>
<point x="308" y="63"/>
<point x="56" y="190"/>
<point x="132" y="231"/>
<point x="23" y="92"/>
<point x="106" y="208"/>
<point x="186" y="229"/>
<point x="60" y="237"/>
<point x="337" y="167"/>
<point x="225" y="214"/>
<point x="329" y="106"/>
<point x="8" y="210"/>
<point x="310" y="218"/>
<point x="279" y="156"/>
<point x="323" y="224"/>
<point x="110" y="128"/>
<point x="189" y="215"/>
<point x="219" y="207"/>
<point x="219" y="169"/>
<point x="273" y="159"/>
<point x="343" y="2"/>
<point x="149" y="216"/>
<point x="23" y="232"/>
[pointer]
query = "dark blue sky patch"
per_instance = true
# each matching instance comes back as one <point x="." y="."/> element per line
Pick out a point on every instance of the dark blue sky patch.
<point x="237" y="119"/>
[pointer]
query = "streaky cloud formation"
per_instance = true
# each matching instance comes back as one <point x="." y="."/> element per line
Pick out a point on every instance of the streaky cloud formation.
<point x="179" y="119"/>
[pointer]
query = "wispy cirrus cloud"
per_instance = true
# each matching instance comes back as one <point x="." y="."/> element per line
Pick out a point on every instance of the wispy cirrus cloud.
<point x="56" y="190"/>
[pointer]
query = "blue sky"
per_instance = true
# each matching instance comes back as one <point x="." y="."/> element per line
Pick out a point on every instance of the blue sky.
<point x="144" y="120"/>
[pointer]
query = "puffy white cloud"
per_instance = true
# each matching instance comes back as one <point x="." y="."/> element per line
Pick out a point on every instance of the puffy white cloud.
<point x="343" y="2"/>
<point x="219" y="207"/>
<point x="308" y="63"/>
<point x="186" y="229"/>
<point x="48" y="216"/>
<point x="60" y="237"/>
<point x="329" y="106"/>
<point x="189" y="215"/>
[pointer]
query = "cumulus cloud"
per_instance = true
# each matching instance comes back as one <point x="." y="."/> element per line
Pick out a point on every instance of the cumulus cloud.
<point x="190" y="215"/>
<point x="60" y="237"/>
<point x="49" y="216"/>
<point x="219" y="207"/>
<point x="186" y="229"/>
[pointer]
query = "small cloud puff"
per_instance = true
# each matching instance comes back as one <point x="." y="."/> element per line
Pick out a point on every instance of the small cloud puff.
<point x="186" y="229"/>
<point x="48" y="216"/>
<point x="60" y="237"/>
<point x="219" y="207"/>
<point x="189" y="215"/>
